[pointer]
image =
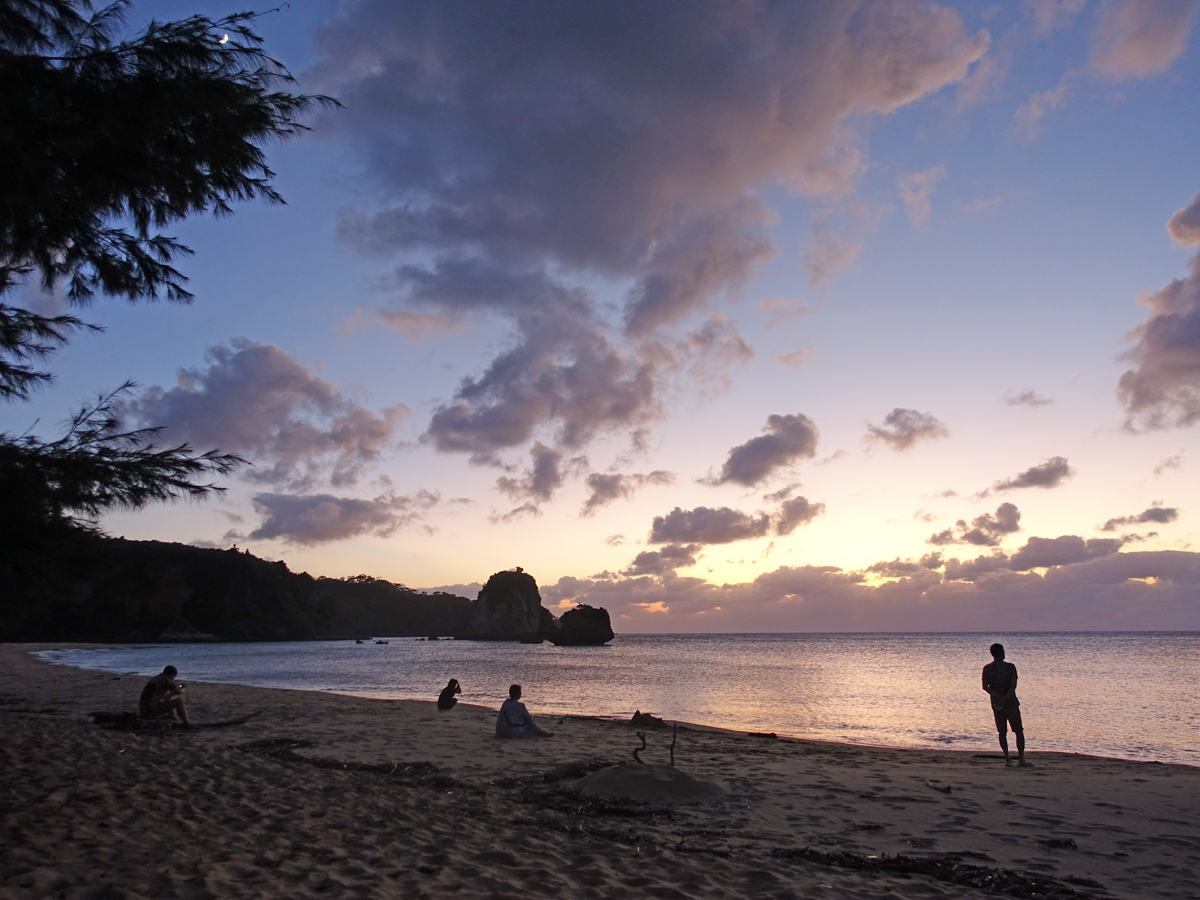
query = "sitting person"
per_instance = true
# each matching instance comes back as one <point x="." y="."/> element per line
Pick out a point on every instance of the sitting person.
<point x="446" y="698"/>
<point x="515" y="721"/>
<point x="163" y="697"/>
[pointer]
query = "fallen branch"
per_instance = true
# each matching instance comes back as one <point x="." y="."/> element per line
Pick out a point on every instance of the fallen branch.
<point x="637" y="751"/>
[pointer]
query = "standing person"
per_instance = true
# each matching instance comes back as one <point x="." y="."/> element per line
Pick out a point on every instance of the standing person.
<point x="1000" y="681"/>
<point x="163" y="696"/>
<point x="515" y="721"/>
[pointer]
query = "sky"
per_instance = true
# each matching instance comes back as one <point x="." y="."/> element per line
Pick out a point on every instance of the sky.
<point x="727" y="317"/>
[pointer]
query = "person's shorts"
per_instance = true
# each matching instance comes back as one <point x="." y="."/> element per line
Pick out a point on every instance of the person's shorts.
<point x="1010" y="715"/>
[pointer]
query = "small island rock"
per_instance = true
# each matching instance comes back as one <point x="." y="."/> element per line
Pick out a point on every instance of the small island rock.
<point x="583" y="626"/>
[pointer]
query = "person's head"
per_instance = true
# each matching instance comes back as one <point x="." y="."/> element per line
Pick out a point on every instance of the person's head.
<point x="452" y="683"/>
<point x="514" y="692"/>
<point x="997" y="652"/>
<point x="170" y="671"/>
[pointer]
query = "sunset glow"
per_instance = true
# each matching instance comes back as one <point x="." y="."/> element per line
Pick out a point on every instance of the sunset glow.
<point x="820" y="317"/>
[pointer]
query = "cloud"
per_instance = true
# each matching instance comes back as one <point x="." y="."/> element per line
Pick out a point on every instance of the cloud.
<point x="1050" y="15"/>
<point x="1163" y="391"/>
<point x="607" y="488"/>
<point x="703" y="525"/>
<point x="1138" y="38"/>
<point x="713" y="349"/>
<point x="1064" y="550"/>
<point x="828" y="252"/>
<point x="1184" y="226"/>
<point x="628" y="150"/>
<point x="783" y="493"/>
<point x="322" y="518"/>
<point x="255" y="400"/>
<point x="544" y="476"/>
<point x="1171" y="462"/>
<point x="1153" y="590"/>
<point x="986" y="530"/>
<point x="1049" y="474"/>
<point x="1027" y="397"/>
<point x="902" y="428"/>
<point x="794" y="513"/>
<point x="1160" y="514"/>
<point x="660" y="562"/>
<point x="906" y="568"/>
<point x="916" y="188"/>
<point x="418" y="327"/>
<point x="795" y="359"/>
<point x="1027" y="121"/>
<point x="788" y="438"/>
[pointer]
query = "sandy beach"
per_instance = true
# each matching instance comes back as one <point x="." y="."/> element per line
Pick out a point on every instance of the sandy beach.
<point x="323" y="795"/>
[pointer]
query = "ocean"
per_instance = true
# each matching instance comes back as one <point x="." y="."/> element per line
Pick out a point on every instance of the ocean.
<point x="1126" y="695"/>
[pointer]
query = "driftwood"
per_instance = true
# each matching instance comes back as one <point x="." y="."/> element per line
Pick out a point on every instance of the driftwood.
<point x="637" y="751"/>
<point x="127" y="721"/>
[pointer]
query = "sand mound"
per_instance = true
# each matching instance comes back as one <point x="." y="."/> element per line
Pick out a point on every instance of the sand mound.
<point x="648" y="784"/>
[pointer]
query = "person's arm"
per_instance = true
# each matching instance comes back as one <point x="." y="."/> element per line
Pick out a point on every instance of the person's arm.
<point x="1011" y="693"/>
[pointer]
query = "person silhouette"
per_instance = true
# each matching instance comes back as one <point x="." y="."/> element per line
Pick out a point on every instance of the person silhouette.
<point x="446" y="698"/>
<point x="514" y="720"/>
<point x="1000" y="681"/>
<point x="162" y="697"/>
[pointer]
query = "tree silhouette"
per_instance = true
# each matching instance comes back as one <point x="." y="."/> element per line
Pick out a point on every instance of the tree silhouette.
<point x="106" y="140"/>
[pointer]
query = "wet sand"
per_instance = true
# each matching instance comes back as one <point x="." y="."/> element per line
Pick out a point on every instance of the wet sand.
<point x="322" y="795"/>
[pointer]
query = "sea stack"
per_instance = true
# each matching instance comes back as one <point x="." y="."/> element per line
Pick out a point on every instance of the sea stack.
<point x="509" y="608"/>
<point x="582" y="626"/>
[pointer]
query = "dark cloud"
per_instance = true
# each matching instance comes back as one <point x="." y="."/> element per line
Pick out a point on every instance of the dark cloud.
<point x="987" y="530"/>
<point x="783" y="493"/>
<point x="1126" y="591"/>
<point x="703" y="525"/>
<point x="902" y="428"/>
<point x="660" y="562"/>
<point x="906" y="568"/>
<point x="1064" y="550"/>
<point x="1160" y="514"/>
<point x="1049" y="474"/>
<point x="607" y="488"/>
<point x="562" y="370"/>
<point x="794" y="513"/>
<point x="788" y="438"/>
<point x="1028" y="397"/>
<point x="1163" y="391"/>
<point x="256" y="401"/>
<point x="545" y="475"/>
<point x="622" y="142"/>
<point x="322" y="518"/>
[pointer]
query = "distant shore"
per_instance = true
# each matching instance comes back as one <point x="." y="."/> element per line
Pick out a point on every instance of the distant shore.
<point x="330" y="795"/>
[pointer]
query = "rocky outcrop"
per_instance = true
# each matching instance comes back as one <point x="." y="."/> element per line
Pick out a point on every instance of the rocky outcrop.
<point x="583" y="626"/>
<point x="509" y="608"/>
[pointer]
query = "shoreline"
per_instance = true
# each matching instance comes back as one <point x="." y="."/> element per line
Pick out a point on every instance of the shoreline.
<point x="329" y="795"/>
<point x="976" y="738"/>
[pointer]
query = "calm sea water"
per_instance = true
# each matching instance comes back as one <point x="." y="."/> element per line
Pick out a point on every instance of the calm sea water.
<point x="1110" y="694"/>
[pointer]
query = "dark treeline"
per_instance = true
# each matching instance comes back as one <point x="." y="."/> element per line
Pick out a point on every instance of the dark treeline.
<point x="94" y="588"/>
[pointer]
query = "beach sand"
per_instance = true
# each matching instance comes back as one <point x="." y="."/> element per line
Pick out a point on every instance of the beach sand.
<point x="323" y="795"/>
